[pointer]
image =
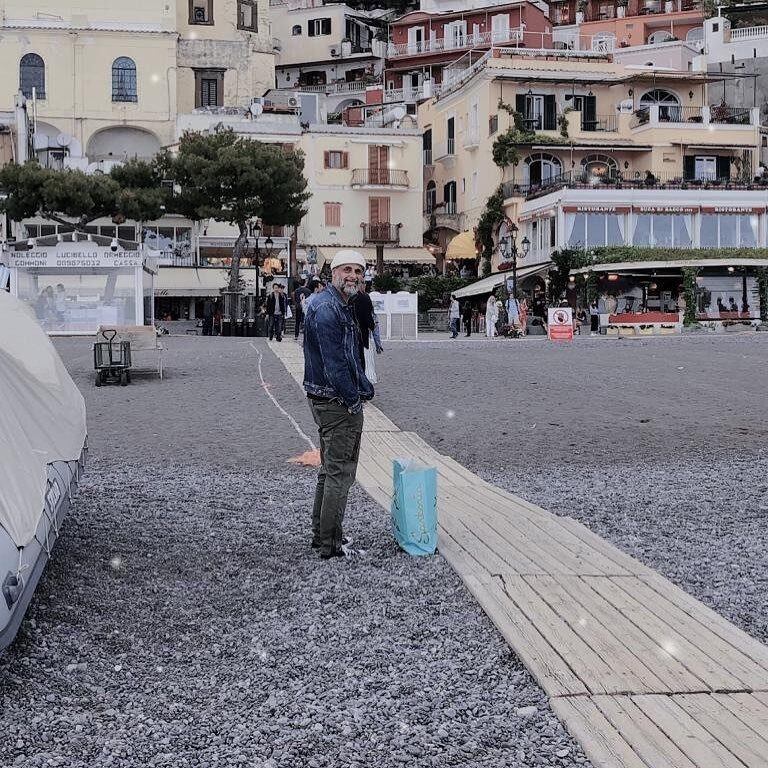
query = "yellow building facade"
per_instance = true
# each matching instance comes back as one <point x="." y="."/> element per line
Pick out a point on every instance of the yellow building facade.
<point x="581" y="123"/>
<point x="107" y="81"/>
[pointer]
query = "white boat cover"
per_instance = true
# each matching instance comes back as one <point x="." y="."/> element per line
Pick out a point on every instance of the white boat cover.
<point x="42" y="418"/>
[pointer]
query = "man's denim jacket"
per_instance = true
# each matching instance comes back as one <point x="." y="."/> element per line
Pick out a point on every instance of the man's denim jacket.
<point x="332" y="366"/>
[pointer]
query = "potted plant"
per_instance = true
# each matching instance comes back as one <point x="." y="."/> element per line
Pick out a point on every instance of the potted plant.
<point x="621" y="8"/>
<point x="669" y="6"/>
<point x="581" y="7"/>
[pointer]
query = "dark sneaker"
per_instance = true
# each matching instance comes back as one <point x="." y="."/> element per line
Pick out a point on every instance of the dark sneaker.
<point x="328" y="554"/>
<point x="345" y="542"/>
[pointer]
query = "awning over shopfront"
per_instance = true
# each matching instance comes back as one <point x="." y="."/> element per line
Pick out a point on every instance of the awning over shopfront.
<point x="200" y="282"/>
<point x="492" y="282"/>
<point x="462" y="246"/>
<point x="634" y="266"/>
<point x="391" y="255"/>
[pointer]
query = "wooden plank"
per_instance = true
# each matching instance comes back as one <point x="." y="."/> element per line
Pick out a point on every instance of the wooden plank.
<point x="649" y="742"/>
<point x="745" y="672"/>
<point x="546" y="665"/>
<point x="596" y="675"/>
<point x="570" y="552"/>
<point x="475" y="548"/>
<point x="608" y="550"/>
<point x="514" y="559"/>
<point x="584" y="618"/>
<point x="458" y="558"/>
<point x="712" y="713"/>
<point x="552" y="555"/>
<point x="602" y="743"/>
<point x="717" y="624"/>
<point x="667" y="638"/>
<point x="750" y="708"/>
<point x="700" y="746"/>
<point x="647" y="653"/>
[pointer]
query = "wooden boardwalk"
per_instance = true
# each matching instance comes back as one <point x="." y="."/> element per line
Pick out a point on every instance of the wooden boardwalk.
<point x="642" y="674"/>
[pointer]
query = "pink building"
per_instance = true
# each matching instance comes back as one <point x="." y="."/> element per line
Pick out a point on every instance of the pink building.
<point x="423" y="43"/>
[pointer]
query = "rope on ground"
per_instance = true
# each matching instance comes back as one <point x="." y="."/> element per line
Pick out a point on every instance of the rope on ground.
<point x="279" y="407"/>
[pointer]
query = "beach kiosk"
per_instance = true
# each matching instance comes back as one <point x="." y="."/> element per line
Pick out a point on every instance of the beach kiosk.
<point x="76" y="282"/>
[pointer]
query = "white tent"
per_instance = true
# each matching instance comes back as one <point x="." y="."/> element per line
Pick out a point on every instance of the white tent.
<point x="42" y="418"/>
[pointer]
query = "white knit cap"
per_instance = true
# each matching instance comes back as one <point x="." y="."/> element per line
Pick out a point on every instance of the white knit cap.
<point x="348" y="257"/>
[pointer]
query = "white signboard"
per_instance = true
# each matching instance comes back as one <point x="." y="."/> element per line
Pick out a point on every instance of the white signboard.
<point x="74" y="259"/>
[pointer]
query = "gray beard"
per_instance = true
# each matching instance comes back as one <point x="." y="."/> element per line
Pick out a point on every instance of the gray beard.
<point x="351" y="290"/>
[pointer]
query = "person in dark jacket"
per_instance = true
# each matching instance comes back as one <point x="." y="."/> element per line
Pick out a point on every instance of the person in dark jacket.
<point x="299" y="295"/>
<point x="362" y="308"/>
<point x="466" y="317"/>
<point x="277" y="302"/>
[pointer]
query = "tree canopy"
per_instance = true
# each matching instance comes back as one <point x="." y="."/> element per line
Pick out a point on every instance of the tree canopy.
<point x="74" y="198"/>
<point x="228" y="178"/>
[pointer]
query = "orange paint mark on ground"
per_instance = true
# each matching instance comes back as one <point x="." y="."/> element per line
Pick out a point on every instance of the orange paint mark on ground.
<point x="307" y="459"/>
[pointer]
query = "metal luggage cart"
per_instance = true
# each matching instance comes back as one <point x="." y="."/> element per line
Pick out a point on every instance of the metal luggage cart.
<point x="112" y="360"/>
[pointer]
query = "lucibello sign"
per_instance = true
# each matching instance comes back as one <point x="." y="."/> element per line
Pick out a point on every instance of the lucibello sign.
<point x="71" y="258"/>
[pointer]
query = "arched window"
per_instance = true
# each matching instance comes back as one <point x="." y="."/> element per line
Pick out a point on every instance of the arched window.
<point x="661" y="36"/>
<point x="695" y="35"/>
<point x="542" y="168"/>
<point x="32" y="75"/>
<point x="296" y="30"/>
<point x="449" y="197"/>
<point x="602" y="167"/>
<point x="431" y="197"/>
<point x="124" y="80"/>
<point x="667" y="102"/>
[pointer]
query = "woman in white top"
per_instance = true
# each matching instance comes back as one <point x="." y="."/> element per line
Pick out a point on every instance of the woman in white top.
<point x="491" y="316"/>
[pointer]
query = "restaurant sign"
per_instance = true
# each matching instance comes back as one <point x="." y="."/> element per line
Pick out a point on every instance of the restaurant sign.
<point x="596" y="209"/>
<point x="666" y="209"/>
<point x="746" y="209"/>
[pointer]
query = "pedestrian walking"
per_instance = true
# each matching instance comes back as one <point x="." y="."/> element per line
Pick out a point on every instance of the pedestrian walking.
<point x="277" y="303"/>
<point x="336" y="387"/>
<point x="454" y="316"/>
<point x="299" y="297"/>
<point x="209" y="308"/>
<point x="491" y="316"/>
<point x="466" y="316"/>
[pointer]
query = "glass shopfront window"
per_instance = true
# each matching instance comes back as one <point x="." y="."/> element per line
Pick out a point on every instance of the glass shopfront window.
<point x="80" y="301"/>
<point x="671" y="230"/>
<point x="726" y="230"/>
<point x="590" y="230"/>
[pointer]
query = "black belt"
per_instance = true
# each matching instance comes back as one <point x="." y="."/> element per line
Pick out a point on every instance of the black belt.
<point x="319" y="399"/>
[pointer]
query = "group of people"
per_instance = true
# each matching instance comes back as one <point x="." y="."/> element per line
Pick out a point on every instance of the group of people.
<point x="51" y="306"/>
<point x="491" y="318"/>
<point x="339" y="324"/>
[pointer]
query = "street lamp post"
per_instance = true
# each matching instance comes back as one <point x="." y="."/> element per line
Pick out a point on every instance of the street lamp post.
<point x="509" y="251"/>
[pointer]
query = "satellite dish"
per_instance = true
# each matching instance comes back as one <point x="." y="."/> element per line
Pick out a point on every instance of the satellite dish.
<point x="63" y="139"/>
<point x="256" y="108"/>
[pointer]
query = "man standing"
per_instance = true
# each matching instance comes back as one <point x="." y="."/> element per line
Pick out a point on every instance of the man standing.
<point x="299" y="295"/>
<point x="466" y="316"/>
<point x="336" y="387"/>
<point x="454" y="316"/>
<point x="276" y="305"/>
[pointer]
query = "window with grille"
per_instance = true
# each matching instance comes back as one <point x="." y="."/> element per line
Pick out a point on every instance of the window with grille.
<point x="247" y="15"/>
<point x="209" y="88"/>
<point x="124" y="80"/>
<point x="317" y="27"/>
<point x="201" y="11"/>
<point x="336" y="159"/>
<point x="333" y="214"/>
<point x="32" y="75"/>
<point x="493" y="124"/>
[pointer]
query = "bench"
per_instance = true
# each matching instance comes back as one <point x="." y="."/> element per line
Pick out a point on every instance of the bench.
<point x="144" y="342"/>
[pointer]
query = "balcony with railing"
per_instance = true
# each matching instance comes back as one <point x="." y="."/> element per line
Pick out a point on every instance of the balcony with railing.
<point x="449" y="44"/>
<point x="381" y="233"/>
<point x="428" y="157"/>
<point x="354" y="86"/>
<point x="471" y="138"/>
<point x="601" y="123"/>
<point x="445" y="150"/>
<point x="616" y="180"/>
<point x="379" y="177"/>
<point x="668" y="115"/>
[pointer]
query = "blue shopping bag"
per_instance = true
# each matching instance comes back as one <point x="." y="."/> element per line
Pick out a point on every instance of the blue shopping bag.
<point x="414" y="507"/>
